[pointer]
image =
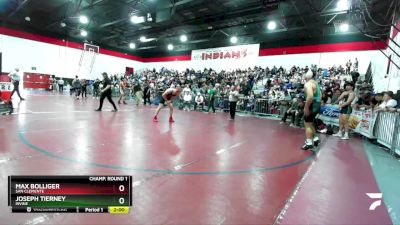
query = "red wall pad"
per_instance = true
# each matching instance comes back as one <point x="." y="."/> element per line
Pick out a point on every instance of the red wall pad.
<point x="36" y="80"/>
<point x="337" y="47"/>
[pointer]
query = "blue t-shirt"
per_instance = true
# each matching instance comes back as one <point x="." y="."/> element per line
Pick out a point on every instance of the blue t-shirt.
<point x="325" y="73"/>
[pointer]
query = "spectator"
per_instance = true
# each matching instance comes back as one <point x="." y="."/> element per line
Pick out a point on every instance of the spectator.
<point x="76" y="83"/>
<point x="270" y="83"/>
<point x="291" y="112"/>
<point x="199" y="101"/>
<point x="356" y="65"/>
<point x="326" y="99"/>
<point x="123" y="86"/>
<point x="138" y="93"/>
<point x="146" y="93"/>
<point x="211" y="99"/>
<point x="61" y="85"/>
<point x="284" y="102"/>
<point x="364" y="101"/>
<point x="335" y="95"/>
<point x="250" y="102"/>
<point x="394" y="110"/>
<point x="84" y="88"/>
<point x="388" y="102"/>
<point x="272" y="102"/>
<point x="299" y="114"/>
<point x="397" y="97"/>
<point x="348" y="66"/>
<point x="96" y="88"/>
<point x="187" y="99"/>
<point x="186" y="89"/>
<point x="376" y="100"/>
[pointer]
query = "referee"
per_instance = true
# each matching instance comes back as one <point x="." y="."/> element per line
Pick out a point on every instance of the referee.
<point x="16" y="77"/>
<point x="233" y="99"/>
<point x="106" y="93"/>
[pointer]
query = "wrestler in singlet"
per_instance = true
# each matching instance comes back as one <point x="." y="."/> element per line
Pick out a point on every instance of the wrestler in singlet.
<point x="169" y="96"/>
<point x="311" y="112"/>
<point x="347" y="109"/>
<point x="315" y="105"/>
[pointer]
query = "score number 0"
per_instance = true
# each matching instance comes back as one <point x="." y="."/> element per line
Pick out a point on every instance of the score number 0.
<point x="121" y="200"/>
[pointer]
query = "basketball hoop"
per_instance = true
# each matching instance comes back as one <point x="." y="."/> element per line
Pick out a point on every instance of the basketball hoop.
<point x="91" y="48"/>
<point x="341" y="26"/>
<point x="88" y="57"/>
<point x="337" y="24"/>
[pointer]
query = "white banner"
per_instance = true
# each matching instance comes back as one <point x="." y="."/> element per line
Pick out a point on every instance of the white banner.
<point x="363" y="122"/>
<point x="240" y="52"/>
<point x="6" y="86"/>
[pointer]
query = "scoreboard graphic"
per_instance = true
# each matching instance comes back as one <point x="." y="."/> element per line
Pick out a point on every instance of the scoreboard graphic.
<point x="69" y="194"/>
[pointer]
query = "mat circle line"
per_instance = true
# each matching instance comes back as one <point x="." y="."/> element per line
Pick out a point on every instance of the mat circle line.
<point x="48" y="153"/>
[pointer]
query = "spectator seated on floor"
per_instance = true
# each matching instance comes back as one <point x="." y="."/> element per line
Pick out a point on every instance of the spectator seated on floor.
<point x="240" y="104"/>
<point x="199" y="101"/>
<point x="293" y="109"/>
<point x="284" y="101"/>
<point x="251" y="100"/>
<point x="326" y="97"/>
<point x="336" y="94"/>
<point x="299" y="113"/>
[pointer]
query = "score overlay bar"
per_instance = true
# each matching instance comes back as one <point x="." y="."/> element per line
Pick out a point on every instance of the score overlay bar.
<point x="64" y="193"/>
<point x="103" y="209"/>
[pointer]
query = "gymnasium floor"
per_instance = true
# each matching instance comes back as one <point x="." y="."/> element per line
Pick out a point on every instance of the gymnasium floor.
<point x="202" y="169"/>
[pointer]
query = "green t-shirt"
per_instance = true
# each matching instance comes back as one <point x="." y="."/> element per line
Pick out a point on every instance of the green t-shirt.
<point x="295" y="105"/>
<point x="211" y="93"/>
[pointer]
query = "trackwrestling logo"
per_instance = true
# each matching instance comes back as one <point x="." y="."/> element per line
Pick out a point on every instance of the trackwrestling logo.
<point x="376" y="203"/>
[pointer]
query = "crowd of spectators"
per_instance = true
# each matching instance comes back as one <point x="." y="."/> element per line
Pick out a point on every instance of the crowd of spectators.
<point x="281" y="89"/>
<point x="279" y="85"/>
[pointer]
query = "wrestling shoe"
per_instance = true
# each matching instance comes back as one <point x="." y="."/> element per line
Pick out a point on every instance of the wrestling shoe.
<point x="171" y="120"/>
<point x="307" y="147"/>
<point x="339" y="134"/>
<point x="155" y="119"/>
